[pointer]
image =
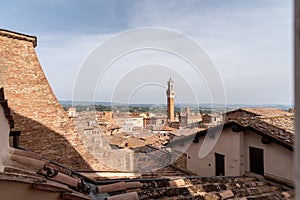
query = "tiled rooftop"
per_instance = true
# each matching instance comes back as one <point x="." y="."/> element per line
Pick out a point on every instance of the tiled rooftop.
<point x="206" y="188"/>
<point x="166" y="172"/>
<point x="268" y="112"/>
<point x="284" y="123"/>
<point x="32" y="169"/>
<point x="280" y="128"/>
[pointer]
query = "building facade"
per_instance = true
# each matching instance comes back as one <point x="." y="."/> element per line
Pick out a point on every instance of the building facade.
<point x="262" y="146"/>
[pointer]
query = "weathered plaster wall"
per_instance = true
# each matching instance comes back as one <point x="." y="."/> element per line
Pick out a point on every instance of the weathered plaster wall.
<point x="228" y="145"/>
<point x="278" y="161"/>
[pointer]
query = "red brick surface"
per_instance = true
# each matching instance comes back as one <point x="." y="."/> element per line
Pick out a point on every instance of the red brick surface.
<point x="45" y="126"/>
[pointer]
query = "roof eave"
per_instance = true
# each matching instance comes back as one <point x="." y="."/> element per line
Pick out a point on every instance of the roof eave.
<point x="19" y="36"/>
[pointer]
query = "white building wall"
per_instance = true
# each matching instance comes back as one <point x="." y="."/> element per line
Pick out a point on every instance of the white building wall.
<point x="278" y="161"/>
<point x="227" y="145"/>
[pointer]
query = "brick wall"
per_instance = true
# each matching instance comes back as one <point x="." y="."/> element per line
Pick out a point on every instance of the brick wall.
<point x="45" y="126"/>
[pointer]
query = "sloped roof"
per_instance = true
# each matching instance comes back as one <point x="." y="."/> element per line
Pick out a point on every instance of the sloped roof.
<point x="118" y="141"/>
<point x="196" y="187"/>
<point x="31" y="168"/>
<point x="279" y="129"/>
<point x="42" y="175"/>
<point x="285" y="123"/>
<point x="134" y="142"/>
<point x="267" y="112"/>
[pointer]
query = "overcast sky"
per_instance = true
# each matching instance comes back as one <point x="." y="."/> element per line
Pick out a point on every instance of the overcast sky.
<point x="249" y="42"/>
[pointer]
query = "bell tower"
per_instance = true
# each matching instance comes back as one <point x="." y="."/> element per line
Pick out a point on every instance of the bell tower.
<point x="170" y="101"/>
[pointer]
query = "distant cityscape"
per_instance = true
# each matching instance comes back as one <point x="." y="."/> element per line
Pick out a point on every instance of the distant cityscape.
<point x="112" y="151"/>
<point x="204" y="107"/>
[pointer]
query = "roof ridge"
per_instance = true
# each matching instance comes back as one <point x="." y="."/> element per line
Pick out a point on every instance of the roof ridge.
<point x="19" y="36"/>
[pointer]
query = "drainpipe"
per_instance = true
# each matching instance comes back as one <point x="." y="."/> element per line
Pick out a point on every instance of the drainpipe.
<point x="297" y="93"/>
<point x="16" y="137"/>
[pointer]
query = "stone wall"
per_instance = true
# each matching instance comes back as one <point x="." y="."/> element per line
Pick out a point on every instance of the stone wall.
<point x="45" y="126"/>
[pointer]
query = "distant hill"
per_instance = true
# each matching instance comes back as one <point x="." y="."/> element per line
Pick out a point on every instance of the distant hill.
<point x="85" y="103"/>
<point x="208" y="106"/>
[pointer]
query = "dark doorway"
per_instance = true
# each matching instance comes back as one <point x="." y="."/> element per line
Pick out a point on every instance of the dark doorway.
<point x="256" y="156"/>
<point x="220" y="164"/>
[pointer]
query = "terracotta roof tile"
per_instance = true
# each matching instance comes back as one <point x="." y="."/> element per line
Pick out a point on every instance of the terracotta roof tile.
<point x="268" y="112"/>
<point x="280" y="128"/>
<point x="118" y="141"/>
<point x="177" y="183"/>
<point x="28" y="154"/>
<point x="132" y="185"/>
<point x="287" y="194"/>
<point x="51" y="186"/>
<point x="134" y="142"/>
<point x="75" y="196"/>
<point x="11" y="170"/>
<point x="24" y="178"/>
<point x="126" y="196"/>
<point x="27" y="163"/>
<point x="285" y="123"/>
<point x="65" y="179"/>
<point x="112" y="187"/>
<point x="226" y="194"/>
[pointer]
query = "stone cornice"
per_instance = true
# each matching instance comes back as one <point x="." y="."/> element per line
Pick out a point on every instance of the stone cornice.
<point x="19" y="36"/>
